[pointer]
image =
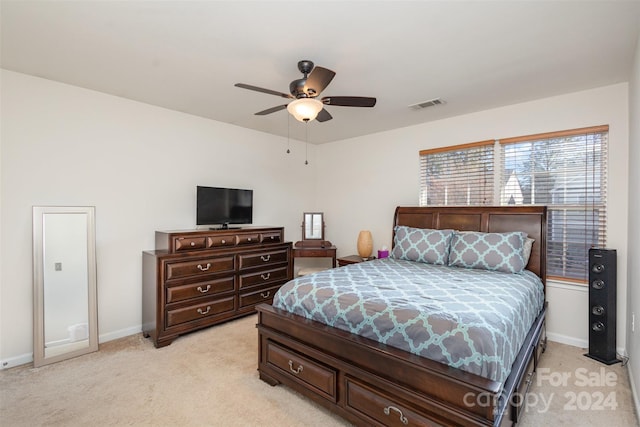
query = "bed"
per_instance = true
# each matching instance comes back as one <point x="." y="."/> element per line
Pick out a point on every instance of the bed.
<point x="374" y="372"/>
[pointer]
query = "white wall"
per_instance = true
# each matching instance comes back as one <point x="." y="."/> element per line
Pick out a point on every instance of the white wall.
<point x="371" y="175"/>
<point x="633" y="341"/>
<point x="139" y="166"/>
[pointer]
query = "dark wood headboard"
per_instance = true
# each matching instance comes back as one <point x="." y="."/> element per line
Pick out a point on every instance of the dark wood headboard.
<point x="489" y="219"/>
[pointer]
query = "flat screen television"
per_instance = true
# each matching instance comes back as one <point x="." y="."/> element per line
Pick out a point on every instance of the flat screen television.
<point x="223" y="206"/>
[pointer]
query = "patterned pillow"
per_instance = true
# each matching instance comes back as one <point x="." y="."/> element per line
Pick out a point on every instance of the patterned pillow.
<point x="488" y="251"/>
<point x="422" y="245"/>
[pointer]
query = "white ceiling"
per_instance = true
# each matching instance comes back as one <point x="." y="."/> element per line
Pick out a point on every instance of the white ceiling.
<point x="187" y="55"/>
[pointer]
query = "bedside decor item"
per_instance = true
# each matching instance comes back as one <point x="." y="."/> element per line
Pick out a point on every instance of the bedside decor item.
<point x="365" y="244"/>
<point x="383" y="252"/>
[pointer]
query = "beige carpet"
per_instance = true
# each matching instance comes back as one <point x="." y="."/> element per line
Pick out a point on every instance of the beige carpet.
<point x="209" y="378"/>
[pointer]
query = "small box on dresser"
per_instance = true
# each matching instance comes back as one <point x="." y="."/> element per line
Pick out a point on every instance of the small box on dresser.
<point x="199" y="278"/>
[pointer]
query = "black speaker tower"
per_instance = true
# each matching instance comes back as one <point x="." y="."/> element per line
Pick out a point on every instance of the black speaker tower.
<point x="602" y="305"/>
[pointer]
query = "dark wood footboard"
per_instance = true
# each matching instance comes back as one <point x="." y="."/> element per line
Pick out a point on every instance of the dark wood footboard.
<point x="369" y="383"/>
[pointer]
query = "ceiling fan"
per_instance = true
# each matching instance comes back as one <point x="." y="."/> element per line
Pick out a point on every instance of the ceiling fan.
<point x="304" y="92"/>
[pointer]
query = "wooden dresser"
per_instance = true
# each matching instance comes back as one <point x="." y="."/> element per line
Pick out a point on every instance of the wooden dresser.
<point x="198" y="278"/>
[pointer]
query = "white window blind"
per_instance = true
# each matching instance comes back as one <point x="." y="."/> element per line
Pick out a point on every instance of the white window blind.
<point x="566" y="171"/>
<point x="455" y="176"/>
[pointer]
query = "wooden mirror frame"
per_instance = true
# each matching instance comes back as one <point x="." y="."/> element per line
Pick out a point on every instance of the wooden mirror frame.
<point x="41" y="266"/>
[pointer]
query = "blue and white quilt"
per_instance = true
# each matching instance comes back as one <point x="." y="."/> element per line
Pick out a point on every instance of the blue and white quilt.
<point x="473" y="320"/>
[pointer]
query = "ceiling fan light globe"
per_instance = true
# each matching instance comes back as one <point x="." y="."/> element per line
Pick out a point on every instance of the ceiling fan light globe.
<point x="305" y="109"/>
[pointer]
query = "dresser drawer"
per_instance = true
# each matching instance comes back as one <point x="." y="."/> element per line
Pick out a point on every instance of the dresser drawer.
<point x="256" y="297"/>
<point x="219" y="241"/>
<point x="263" y="258"/>
<point x="182" y="244"/>
<point x="309" y="373"/>
<point x="271" y="237"/>
<point x="264" y="277"/>
<point x="200" y="267"/>
<point x="248" y="239"/>
<point x="382" y="408"/>
<point x="200" y="289"/>
<point x="200" y="311"/>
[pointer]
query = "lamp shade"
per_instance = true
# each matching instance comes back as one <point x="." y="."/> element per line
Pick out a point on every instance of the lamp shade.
<point x="365" y="244"/>
<point x="305" y="109"/>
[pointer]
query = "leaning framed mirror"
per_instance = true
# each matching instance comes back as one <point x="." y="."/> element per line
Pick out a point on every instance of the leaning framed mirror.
<point x="65" y="315"/>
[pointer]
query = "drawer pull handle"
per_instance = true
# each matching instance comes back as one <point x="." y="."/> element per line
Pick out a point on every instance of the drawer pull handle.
<point x="204" y="312"/>
<point x="204" y="291"/>
<point x="223" y="241"/>
<point x="403" y="419"/>
<point x="248" y="239"/>
<point x="201" y="268"/>
<point x="193" y="243"/>
<point x="265" y="276"/>
<point x="265" y="258"/>
<point x="295" y="371"/>
<point x="529" y="378"/>
<point x="265" y="295"/>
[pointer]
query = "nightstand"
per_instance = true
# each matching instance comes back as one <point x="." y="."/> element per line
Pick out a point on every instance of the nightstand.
<point x="352" y="259"/>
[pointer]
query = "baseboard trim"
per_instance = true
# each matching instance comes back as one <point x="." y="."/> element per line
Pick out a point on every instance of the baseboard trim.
<point x="23" y="359"/>
<point x="634" y="390"/>
<point x="580" y="343"/>
<point x="12" y="362"/>
<point x="565" y="339"/>
<point x="110" y="336"/>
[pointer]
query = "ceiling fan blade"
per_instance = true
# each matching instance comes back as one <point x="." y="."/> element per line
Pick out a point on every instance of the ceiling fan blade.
<point x="271" y="110"/>
<point x="263" y="90"/>
<point x="349" y="101"/>
<point x="318" y="80"/>
<point x="323" y="116"/>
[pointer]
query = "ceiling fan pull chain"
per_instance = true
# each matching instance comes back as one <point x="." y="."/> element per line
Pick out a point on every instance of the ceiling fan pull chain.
<point x="288" y="128"/>
<point x="306" y="146"/>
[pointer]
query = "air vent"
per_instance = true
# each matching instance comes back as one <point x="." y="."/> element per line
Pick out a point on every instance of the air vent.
<point x="425" y="104"/>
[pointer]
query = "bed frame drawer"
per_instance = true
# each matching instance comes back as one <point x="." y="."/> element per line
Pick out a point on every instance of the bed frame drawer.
<point x="517" y="401"/>
<point x="382" y="408"/>
<point x="309" y="373"/>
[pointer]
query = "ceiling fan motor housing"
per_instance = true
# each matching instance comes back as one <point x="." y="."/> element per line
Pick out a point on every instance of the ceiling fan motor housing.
<point x="296" y="88"/>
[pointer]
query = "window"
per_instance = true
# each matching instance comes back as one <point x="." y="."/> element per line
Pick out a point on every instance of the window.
<point x="461" y="175"/>
<point x="566" y="171"/>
